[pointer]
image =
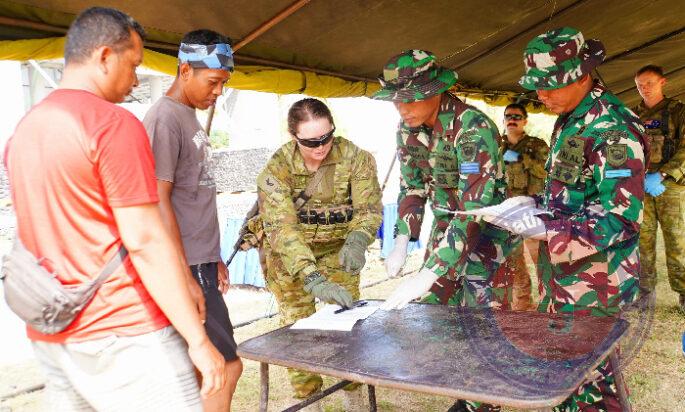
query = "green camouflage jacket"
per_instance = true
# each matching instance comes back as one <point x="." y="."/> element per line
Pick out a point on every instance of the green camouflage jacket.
<point x="349" y="190"/>
<point x="526" y="176"/>
<point x="458" y="166"/>
<point x="595" y="188"/>
<point x="665" y="124"/>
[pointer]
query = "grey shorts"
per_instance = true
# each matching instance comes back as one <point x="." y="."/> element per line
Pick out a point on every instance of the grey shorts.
<point x="120" y="373"/>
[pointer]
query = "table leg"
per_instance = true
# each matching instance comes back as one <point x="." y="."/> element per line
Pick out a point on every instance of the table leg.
<point x="264" y="379"/>
<point x="620" y="383"/>
<point x="372" y="398"/>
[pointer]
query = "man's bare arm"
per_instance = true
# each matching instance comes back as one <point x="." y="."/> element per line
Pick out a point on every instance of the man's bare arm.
<point x="155" y="257"/>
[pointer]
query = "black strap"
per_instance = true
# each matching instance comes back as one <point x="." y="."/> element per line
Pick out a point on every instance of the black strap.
<point x="664" y="121"/>
<point x="112" y="265"/>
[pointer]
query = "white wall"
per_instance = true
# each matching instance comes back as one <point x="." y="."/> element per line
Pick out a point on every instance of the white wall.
<point x="11" y="100"/>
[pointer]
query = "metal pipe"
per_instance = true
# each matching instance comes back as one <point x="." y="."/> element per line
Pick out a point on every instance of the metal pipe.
<point x="644" y="45"/>
<point x="516" y="36"/>
<point x="372" y="398"/>
<point x="317" y="396"/>
<point x="264" y="381"/>
<point x="270" y="23"/>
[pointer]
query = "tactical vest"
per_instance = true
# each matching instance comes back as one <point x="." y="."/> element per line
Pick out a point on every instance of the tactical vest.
<point x="325" y="218"/>
<point x="662" y="144"/>
<point x="519" y="180"/>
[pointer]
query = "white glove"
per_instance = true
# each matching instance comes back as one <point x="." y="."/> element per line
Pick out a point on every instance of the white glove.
<point x="412" y="288"/>
<point x="397" y="257"/>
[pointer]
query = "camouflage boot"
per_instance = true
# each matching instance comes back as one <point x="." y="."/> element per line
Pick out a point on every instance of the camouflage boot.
<point x="314" y="407"/>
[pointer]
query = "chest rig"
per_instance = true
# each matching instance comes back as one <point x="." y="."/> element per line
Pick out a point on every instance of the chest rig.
<point x="328" y="212"/>
<point x="662" y="145"/>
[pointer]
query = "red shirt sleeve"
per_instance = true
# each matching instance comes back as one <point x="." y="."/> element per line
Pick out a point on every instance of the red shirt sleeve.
<point x="125" y="163"/>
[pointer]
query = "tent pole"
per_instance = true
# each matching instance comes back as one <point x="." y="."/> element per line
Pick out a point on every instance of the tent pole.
<point x="264" y="27"/>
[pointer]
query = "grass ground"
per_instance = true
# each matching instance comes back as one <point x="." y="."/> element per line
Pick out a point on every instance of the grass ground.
<point x="656" y="378"/>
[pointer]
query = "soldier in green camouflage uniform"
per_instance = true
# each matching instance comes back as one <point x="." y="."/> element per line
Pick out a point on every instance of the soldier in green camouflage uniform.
<point x="588" y="260"/>
<point x="664" y="119"/>
<point x="339" y="220"/>
<point x="524" y="157"/>
<point x="448" y="153"/>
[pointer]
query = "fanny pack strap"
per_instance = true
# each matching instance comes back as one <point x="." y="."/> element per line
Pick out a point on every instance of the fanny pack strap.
<point x="114" y="262"/>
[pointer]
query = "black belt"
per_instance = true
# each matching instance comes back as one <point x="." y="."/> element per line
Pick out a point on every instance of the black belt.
<point x="312" y="217"/>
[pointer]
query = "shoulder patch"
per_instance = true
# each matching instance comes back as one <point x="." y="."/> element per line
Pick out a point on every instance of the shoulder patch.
<point x="468" y="151"/>
<point x="617" y="154"/>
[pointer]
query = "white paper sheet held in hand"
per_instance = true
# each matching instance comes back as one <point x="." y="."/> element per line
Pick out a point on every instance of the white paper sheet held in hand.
<point x="510" y="209"/>
<point x="326" y="319"/>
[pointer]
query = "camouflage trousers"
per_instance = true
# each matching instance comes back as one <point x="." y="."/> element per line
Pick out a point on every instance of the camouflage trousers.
<point x="667" y="211"/>
<point x="516" y="269"/>
<point x="294" y="304"/>
<point x="483" y="282"/>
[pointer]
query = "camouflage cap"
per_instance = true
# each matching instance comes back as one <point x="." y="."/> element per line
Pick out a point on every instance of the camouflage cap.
<point x="413" y="75"/>
<point x="558" y="58"/>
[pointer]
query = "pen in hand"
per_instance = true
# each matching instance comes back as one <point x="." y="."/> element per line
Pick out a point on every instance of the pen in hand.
<point x="362" y="303"/>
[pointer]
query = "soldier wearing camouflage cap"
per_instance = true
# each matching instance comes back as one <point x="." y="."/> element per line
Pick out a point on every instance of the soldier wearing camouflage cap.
<point x="664" y="119"/>
<point x="449" y="153"/>
<point x="588" y="261"/>
<point x="317" y="251"/>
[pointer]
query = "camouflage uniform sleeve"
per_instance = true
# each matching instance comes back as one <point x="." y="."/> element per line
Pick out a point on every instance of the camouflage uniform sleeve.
<point x="616" y="214"/>
<point x="411" y="200"/>
<point x="675" y="167"/>
<point x="281" y="227"/>
<point x="536" y="164"/>
<point x="480" y="167"/>
<point x="366" y="196"/>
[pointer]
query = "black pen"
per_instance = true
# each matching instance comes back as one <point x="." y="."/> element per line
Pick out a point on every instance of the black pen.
<point x="362" y="303"/>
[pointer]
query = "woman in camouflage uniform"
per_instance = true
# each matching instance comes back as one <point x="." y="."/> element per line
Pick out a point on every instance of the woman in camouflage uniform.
<point x="318" y="250"/>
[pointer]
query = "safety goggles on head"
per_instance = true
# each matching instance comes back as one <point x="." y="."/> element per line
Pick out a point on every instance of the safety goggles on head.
<point x="314" y="143"/>
<point x="513" y="116"/>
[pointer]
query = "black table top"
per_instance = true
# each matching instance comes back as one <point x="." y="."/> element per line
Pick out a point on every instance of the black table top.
<point x="519" y="359"/>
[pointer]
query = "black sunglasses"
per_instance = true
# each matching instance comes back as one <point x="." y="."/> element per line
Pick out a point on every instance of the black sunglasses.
<point x="513" y="116"/>
<point x="313" y="143"/>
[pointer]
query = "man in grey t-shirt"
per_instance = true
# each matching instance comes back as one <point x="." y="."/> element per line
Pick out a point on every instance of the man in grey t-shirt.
<point x="187" y="190"/>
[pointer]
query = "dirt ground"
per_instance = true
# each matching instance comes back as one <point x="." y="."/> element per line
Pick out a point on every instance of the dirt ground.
<point x="656" y="378"/>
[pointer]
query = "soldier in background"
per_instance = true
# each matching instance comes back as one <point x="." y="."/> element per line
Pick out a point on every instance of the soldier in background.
<point x="317" y="251"/>
<point x="664" y="119"/>
<point x="588" y="262"/>
<point x="524" y="157"/>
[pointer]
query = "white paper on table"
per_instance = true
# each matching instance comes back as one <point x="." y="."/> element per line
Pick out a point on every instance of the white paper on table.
<point x="326" y="319"/>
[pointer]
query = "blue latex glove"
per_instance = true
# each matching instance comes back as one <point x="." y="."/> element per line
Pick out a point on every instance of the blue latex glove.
<point x="653" y="184"/>
<point x="511" y="156"/>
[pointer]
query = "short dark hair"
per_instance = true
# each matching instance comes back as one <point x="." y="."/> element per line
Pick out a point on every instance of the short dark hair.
<point x="304" y="110"/>
<point x="651" y="68"/>
<point x="205" y="37"/>
<point x="518" y="106"/>
<point x="96" y="27"/>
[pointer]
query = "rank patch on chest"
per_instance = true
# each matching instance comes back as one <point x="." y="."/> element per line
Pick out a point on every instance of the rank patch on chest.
<point x="469" y="168"/>
<point x="468" y="151"/>
<point x="617" y="154"/>
<point x="566" y="173"/>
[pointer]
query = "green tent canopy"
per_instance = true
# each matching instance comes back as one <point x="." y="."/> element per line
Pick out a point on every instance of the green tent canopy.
<point x="337" y="48"/>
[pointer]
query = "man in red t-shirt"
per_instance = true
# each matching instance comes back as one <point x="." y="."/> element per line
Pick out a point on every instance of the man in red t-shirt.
<point x="83" y="183"/>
